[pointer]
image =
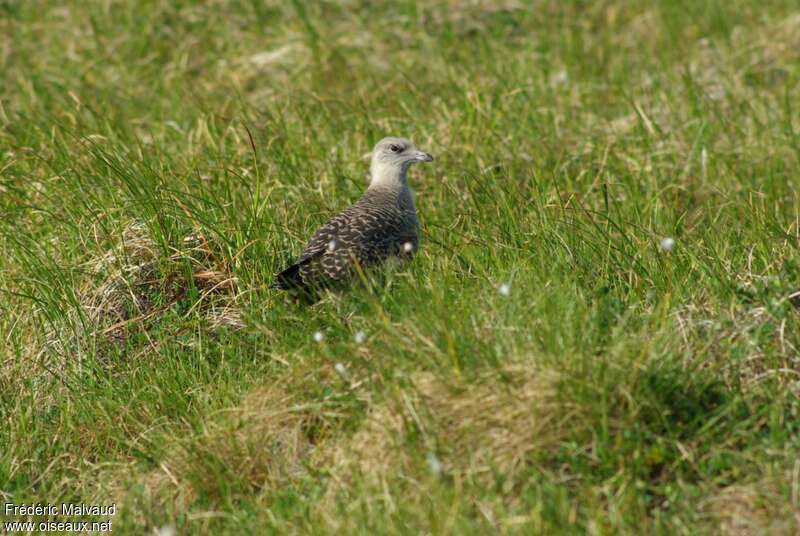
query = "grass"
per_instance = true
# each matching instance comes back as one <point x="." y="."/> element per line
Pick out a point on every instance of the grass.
<point x="159" y="162"/>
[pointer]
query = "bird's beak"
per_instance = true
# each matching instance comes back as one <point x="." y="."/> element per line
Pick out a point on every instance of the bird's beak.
<point x="420" y="156"/>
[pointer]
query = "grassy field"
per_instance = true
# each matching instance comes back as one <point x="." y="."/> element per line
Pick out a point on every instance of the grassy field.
<point x="160" y="161"/>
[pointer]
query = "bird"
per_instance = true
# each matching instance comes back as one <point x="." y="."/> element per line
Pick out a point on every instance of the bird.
<point x="381" y="225"/>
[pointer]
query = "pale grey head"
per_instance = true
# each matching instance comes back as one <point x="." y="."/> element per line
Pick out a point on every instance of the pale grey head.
<point x="391" y="159"/>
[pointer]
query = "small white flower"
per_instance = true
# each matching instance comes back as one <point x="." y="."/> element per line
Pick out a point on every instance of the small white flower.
<point x="434" y="464"/>
<point x="166" y="530"/>
<point x="716" y="92"/>
<point x="341" y="370"/>
<point x="408" y="247"/>
<point x="504" y="289"/>
<point x="332" y="245"/>
<point x="667" y="244"/>
<point x="704" y="161"/>
<point x="360" y="337"/>
<point x="561" y="78"/>
<point x="319" y="336"/>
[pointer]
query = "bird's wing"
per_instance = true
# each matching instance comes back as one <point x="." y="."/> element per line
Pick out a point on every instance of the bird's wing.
<point x="320" y="241"/>
<point x="335" y="248"/>
<point x="360" y="235"/>
<point x="307" y="267"/>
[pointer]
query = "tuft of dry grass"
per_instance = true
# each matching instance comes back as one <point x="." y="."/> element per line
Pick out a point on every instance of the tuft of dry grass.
<point x="117" y="291"/>
<point x="134" y="283"/>
<point x="756" y="509"/>
<point x="493" y="424"/>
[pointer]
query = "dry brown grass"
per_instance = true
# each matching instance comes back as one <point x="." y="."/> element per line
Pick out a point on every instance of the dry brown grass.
<point x="271" y="440"/>
<point x="473" y="429"/>
<point x="757" y="509"/>
<point x="134" y="283"/>
<point x="774" y="361"/>
<point x="464" y="430"/>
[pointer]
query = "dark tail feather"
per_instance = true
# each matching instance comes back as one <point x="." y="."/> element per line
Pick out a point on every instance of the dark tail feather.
<point x="291" y="280"/>
<point x="288" y="279"/>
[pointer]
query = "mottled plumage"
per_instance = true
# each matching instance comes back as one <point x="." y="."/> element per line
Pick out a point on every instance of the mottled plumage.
<point x="380" y="225"/>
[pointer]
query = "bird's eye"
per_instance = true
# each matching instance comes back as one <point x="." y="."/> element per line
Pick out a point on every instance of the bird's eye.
<point x="395" y="148"/>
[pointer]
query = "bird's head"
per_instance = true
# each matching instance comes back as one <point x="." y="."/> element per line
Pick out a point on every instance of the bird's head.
<point x="391" y="159"/>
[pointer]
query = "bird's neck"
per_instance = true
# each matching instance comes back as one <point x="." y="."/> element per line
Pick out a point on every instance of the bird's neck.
<point x="388" y="177"/>
<point x="391" y="185"/>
